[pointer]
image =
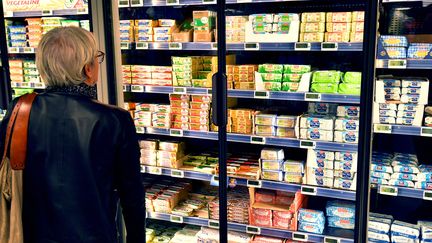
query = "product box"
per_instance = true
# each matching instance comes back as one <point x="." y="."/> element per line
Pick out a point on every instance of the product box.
<point x="182" y="36"/>
<point x="203" y="36"/>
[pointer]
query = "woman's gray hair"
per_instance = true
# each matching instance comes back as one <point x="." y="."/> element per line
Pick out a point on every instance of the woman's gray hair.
<point x="62" y="55"/>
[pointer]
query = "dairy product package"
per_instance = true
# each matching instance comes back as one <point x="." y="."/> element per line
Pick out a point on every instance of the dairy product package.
<point x="313" y="17"/>
<point x="286" y="121"/>
<point x="321" y="163"/>
<point x="293" y="166"/>
<point x="319" y="181"/>
<point x="326" y="77"/>
<point x="285" y="132"/>
<point x="385" y="106"/>
<point x="348" y="111"/>
<point x="343" y="223"/>
<point x="272" y="164"/>
<point x="311" y="227"/>
<point x="423" y="185"/>
<point x="401" y="183"/>
<point x="379" y="225"/>
<point x="265" y="119"/>
<point x="374" y="237"/>
<point x="343" y="209"/>
<point x="344" y="124"/>
<point x="378" y="181"/>
<point x="339" y="17"/>
<point x="273" y="175"/>
<point x="347" y="184"/>
<point x="316" y="134"/>
<point x="321" y="122"/>
<point x="311" y="216"/>
<point x="382" y="168"/>
<point x="380" y="175"/>
<point x="271" y="68"/>
<point x="272" y="154"/>
<point x="346" y="156"/>
<point x="346" y="137"/>
<point x="407" y="107"/>
<point x="404" y="229"/>
<point x="413" y="83"/>
<point x="350" y="166"/>
<point x="322" y="108"/>
<point x="344" y="174"/>
<point x="394" y="41"/>
<point x="312" y="27"/>
<point x="404" y="176"/>
<point x="406" y="169"/>
<point x="426" y="229"/>
<point x="387" y="113"/>
<point x="293" y="177"/>
<point x="320" y="172"/>
<point x="320" y="154"/>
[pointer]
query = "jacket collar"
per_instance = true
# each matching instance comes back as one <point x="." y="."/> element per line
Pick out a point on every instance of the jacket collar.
<point x="81" y="89"/>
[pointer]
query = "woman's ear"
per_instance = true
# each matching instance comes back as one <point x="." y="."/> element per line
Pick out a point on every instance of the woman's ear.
<point x="88" y="70"/>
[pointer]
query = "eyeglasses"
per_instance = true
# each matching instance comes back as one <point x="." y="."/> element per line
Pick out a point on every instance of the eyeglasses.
<point x="100" y="56"/>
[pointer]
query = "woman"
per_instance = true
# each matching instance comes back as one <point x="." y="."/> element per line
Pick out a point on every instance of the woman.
<point x="82" y="155"/>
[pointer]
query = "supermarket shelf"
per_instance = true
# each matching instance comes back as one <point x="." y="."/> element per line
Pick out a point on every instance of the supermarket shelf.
<point x="159" y="3"/>
<point x="403" y="130"/>
<point x="209" y="46"/>
<point x="27" y="85"/>
<point x="46" y="13"/>
<point x="344" y="236"/>
<point x="21" y="50"/>
<point x="273" y="95"/>
<point x="241" y="138"/>
<point x="404" y="192"/>
<point x="404" y="64"/>
<point x="272" y="185"/>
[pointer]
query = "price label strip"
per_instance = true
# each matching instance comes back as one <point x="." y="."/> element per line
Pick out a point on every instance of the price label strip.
<point x="300" y="237"/>
<point x="214" y="181"/>
<point x="143" y="169"/>
<point x="397" y="64"/>
<point x="176" y="219"/>
<point x="306" y="144"/>
<point x="172" y="2"/>
<point x="261" y="94"/>
<point x="179" y="90"/>
<point x="83" y="11"/>
<point x="136" y="3"/>
<point x="125" y="88"/>
<point x="47" y="12"/>
<point x="177" y="173"/>
<point x="331" y="240"/>
<point x="252" y="46"/>
<point x="309" y="190"/>
<point x="214" y="45"/>
<point x="254" y="183"/>
<point x="125" y="45"/>
<point x="329" y="46"/>
<point x="427" y="195"/>
<point x="28" y="50"/>
<point x="426" y="132"/>
<point x="213" y="224"/>
<point x="175" y="46"/>
<point x="302" y="46"/>
<point x="253" y="230"/>
<point x="388" y="190"/>
<point x="123" y="3"/>
<point x="312" y="97"/>
<point x="140" y="130"/>
<point x="142" y="45"/>
<point x="138" y="88"/>
<point x="154" y="170"/>
<point x="176" y="132"/>
<point x="382" y="128"/>
<point x="8" y="14"/>
<point x="13" y="50"/>
<point x="209" y="1"/>
<point x="257" y="140"/>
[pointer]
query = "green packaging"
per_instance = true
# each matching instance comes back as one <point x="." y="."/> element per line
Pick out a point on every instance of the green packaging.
<point x="352" y="77"/>
<point x="271" y="77"/>
<point x="297" y="68"/>
<point x="272" y="86"/>
<point x="271" y="68"/>
<point x="349" y="89"/>
<point x="292" y="77"/>
<point x="290" y="86"/>
<point x="324" y="87"/>
<point x="326" y="77"/>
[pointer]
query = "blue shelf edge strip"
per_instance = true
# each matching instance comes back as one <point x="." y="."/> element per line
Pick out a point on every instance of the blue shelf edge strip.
<point x="405" y="192"/>
<point x="403" y="130"/>
<point x="345" y="236"/>
<point x="273" y="185"/>
<point x="273" y="95"/>
<point x="46" y="13"/>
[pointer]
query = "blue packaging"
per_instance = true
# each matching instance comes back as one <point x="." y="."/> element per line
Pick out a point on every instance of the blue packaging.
<point x="404" y="176"/>
<point x="341" y="209"/>
<point x="424" y="176"/>
<point x="404" y="229"/>
<point x="390" y="83"/>
<point x="401" y="183"/>
<point x="379" y="181"/>
<point x="379" y="225"/>
<point x="426" y="229"/>
<point x="406" y="169"/>
<point x="380" y="215"/>
<point x="423" y="185"/>
<point x="345" y="165"/>
<point x="380" y="175"/>
<point x="396" y="52"/>
<point x="346" y="156"/>
<point x="311" y="216"/>
<point x="344" y="174"/>
<point x="377" y="237"/>
<point x="419" y="50"/>
<point x="343" y="223"/>
<point x="380" y="167"/>
<point x="311" y="227"/>
<point x="394" y="40"/>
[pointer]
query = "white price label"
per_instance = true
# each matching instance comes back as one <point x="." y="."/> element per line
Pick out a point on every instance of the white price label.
<point x="172" y="2"/>
<point x="38" y="85"/>
<point x="257" y="140"/>
<point x="302" y="46"/>
<point x="427" y="195"/>
<point x="140" y="130"/>
<point x="176" y="132"/>
<point x="397" y="64"/>
<point x="214" y="181"/>
<point x="142" y="45"/>
<point x="252" y="46"/>
<point x="254" y="183"/>
<point x="382" y="128"/>
<point x="138" y="88"/>
<point x="309" y="190"/>
<point x="154" y="170"/>
<point x="136" y="3"/>
<point x="253" y="230"/>
<point x="426" y="132"/>
<point x="306" y="144"/>
<point x="179" y="90"/>
<point x="209" y="1"/>
<point x="261" y="94"/>
<point x="14" y="84"/>
<point x="13" y="50"/>
<point x="329" y="46"/>
<point x="29" y="50"/>
<point x="312" y="97"/>
<point x="143" y="169"/>
<point x="177" y="173"/>
<point x="300" y="236"/>
<point x="123" y="3"/>
<point x="175" y="46"/>
<point x="124" y="45"/>
<point x="331" y="240"/>
<point x="25" y="85"/>
<point x="214" y="46"/>
<point x="8" y="14"/>
<point x="176" y="219"/>
<point x="83" y="11"/>
<point x="388" y="190"/>
<point x="125" y="88"/>
<point x="213" y="224"/>
<point x="47" y="12"/>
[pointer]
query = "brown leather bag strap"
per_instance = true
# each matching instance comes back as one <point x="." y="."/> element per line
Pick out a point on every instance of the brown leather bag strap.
<point x="9" y="128"/>
<point x="18" y="148"/>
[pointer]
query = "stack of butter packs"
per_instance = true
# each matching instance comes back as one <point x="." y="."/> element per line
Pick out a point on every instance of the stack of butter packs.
<point x="312" y="221"/>
<point x="331" y="169"/>
<point x="269" y="125"/>
<point x="34" y="30"/>
<point x="161" y="153"/>
<point x="398" y="170"/>
<point x="395" y="46"/>
<point x="152" y="115"/>
<point x="194" y="71"/>
<point x="332" y="27"/>
<point x="379" y="227"/>
<point x="329" y="122"/>
<point x="241" y="76"/>
<point x="235" y="29"/>
<point x="204" y="23"/>
<point x="190" y="112"/>
<point x="274" y="167"/>
<point x="164" y="196"/>
<point x="278" y="77"/>
<point x="240" y="121"/>
<point x="147" y="75"/>
<point x="237" y="206"/>
<point x="147" y="30"/>
<point x="336" y="82"/>
<point x="202" y="162"/>
<point x="402" y="100"/>
<point x="340" y="214"/>
<point x="157" y="232"/>
<point x="16" y="34"/>
<point x="209" y="235"/>
<point x="272" y="23"/>
<point x="127" y="31"/>
<point x="23" y="71"/>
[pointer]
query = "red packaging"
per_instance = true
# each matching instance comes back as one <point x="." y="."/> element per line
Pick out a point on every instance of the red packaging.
<point x="264" y="196"/>
<point x="262" y="221"/>
<point x="282" y="200"/>
<point x="259" y="212"/>
<point x="283" y="214"/>
<point x="266" y="239"/>
<point x="201" y="98"/>
<point x="285" y="194"/>
<point x="281" y="223"/>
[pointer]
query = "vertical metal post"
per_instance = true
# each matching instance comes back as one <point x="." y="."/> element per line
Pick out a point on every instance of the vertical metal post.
<point x="5" y="85"/>
<point x="366" y="132"/>
<point x="221" y="120"/>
